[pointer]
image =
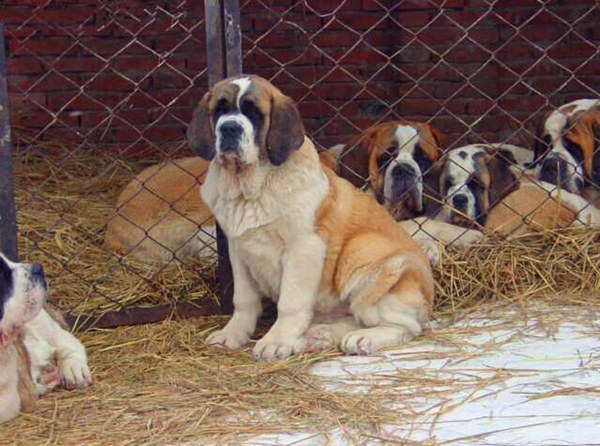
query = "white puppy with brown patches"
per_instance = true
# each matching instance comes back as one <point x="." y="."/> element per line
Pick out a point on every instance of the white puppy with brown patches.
<point x="24" y="322"/>
<point x="342" y="271"/>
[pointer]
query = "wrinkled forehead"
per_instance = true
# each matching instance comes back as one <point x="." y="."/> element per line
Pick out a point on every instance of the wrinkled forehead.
<point x="461" y="163"/>
<point x="233" y="91"/>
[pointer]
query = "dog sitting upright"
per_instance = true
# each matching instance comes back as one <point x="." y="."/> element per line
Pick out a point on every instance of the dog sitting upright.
<point x="30" y="341"/>
<point x="341" y="270"/>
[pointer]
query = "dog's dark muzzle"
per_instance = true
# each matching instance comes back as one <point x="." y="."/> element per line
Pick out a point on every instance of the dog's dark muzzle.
<point x="231" y="133"/>
<point x="555" y="170"/>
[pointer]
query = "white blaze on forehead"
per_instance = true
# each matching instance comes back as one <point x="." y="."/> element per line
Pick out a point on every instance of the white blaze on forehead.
<point x="407" y="137"/>
<point x="461" y="163"/>
<point x="243" y="85"/>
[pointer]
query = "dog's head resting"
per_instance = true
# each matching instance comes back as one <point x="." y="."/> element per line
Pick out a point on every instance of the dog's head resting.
<point x="245" y="120"/>
<point x="22" y="296"/>
<point x="566" y="152"/>
<point x="474" y="179"/>
<point x="398" y="163"/>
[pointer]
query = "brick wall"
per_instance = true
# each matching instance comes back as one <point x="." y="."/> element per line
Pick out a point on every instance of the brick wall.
<point x="127" y="74"/>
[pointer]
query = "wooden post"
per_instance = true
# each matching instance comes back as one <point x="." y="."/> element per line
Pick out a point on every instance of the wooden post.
<point x="224" y="59"/>
<point x="8" y="220"/>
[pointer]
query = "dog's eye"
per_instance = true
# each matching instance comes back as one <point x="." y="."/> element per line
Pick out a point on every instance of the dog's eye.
<point x="474" y="183"/>
<point x="386" y="157"/>
<point x="221" y="108"/>
<point x="249" y="109"/>
<point x="573" y="149"/>
<point x="447" y="185"/>
<point x="422" y="159"/>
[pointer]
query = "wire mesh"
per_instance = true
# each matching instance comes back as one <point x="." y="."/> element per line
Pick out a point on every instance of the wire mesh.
<point x="101" y="90"/>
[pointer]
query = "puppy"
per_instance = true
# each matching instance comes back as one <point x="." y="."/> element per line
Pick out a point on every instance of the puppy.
<point x="159" y="215"/>
<point x="36" y="353"/>
<point x="339" y="267"/>
<point x="484" y="186"/>
<point x="399" y="163"/>
<point x="396" y="162"/>
<point x="567" y="147"/>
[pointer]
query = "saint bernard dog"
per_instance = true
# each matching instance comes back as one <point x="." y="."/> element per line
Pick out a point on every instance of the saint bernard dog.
<point x="487" y="186"/>
<point x="159" y="216"/>
<point x="397" y="162"/>
<point x="567" y="148"/>
<point x="37" y="353"/>
<point x="341" y="270"/>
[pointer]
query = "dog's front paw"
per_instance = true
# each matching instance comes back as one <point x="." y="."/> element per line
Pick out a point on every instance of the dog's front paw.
<point x="74" y="373"/>
<point x="271" y="348"/>
<point x="228" y="338"/>
<point x="469" y="238"/>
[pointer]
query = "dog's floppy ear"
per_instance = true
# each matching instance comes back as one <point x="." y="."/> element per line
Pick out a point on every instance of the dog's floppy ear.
<point x="502" y="180"/>
<point x="286" y="131"/>
<point x="541" y="142"/>
<point x="200" y="132"/>
<point x="440" y="140"/>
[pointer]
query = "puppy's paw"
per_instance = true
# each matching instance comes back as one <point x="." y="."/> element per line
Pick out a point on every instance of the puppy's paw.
<point x="319" y="338"/>
<point x="74" y="373"/>
<point x="272" y="348"/>
<point x="431" y="249"/>
<point x="227" y="338"/>
<point x="47" y="380"/>
<point x="370" y="340"/>
<point x="469" y="238"/>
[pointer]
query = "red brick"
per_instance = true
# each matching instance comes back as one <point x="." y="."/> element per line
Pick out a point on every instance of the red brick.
<point x="78" y="64"/>
<point x="109" y="82"/>
<point x="23" y="65"/>
<point x="65" y="16"/>
<point x="165" y="133"/>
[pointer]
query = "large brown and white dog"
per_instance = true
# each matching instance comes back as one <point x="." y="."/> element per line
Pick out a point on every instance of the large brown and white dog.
<point x="567" y="147"/>
<point x="400" y="163"/>
<point x="485" y="186"/>
<point x="159" y="215"/>
<point x="397" y="163"/>
<point x="340" y="269"/>
<point x="36" y="353"/>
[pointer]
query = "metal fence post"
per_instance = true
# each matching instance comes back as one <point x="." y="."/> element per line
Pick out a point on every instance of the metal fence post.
<point x="224" y="59"/>
<point x="8" y="220"/>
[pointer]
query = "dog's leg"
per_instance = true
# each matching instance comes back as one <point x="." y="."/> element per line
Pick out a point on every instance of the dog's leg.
<point x="425" y="230"/>
<point x="320" y="337"/>
<point x="391" y="299"/>
<point x="44" y="335"/>
<point x="10" y="402"/>
<point x="247" y="307"/>
<point x="302" y="270"/>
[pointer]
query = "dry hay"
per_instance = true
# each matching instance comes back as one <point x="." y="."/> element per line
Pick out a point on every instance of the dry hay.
<point x="64" y="199"/>
<point x="559" y="266"/>
<point x="160" y="384"/>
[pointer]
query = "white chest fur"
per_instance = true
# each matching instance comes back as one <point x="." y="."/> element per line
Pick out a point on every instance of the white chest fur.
<point x="264" y="212"/>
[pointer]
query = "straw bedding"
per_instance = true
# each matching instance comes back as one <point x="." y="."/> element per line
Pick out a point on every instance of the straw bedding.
<point x="159" y="384"/>
<point x="63" y="204"/>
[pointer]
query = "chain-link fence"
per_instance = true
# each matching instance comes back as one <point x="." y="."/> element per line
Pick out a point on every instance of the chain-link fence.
<point x="101" y="90"/>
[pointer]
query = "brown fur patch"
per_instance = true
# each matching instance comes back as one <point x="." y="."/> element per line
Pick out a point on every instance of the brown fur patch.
<point x="583" y="132"/>
<point x="360" y="236"/>
<point x="26" y="386"/>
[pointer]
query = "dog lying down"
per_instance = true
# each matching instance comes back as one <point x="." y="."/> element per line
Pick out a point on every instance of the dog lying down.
<point x="37" y="353"/>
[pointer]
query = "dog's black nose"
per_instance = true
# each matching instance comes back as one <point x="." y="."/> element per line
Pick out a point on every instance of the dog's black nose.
<point x="37" y="270"/>
<point x="460" y="202"/>
<point x="403" y="170"/>
<point x="231" y="129"/>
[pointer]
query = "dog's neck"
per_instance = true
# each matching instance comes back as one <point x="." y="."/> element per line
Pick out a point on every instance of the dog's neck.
<point x="255" y="191"/>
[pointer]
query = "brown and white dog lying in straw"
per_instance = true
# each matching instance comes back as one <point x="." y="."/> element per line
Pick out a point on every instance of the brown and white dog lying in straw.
<point x="159" y="214"/>
<point x="341" y="270"/>
<point x="483" y="185"/>
<point x="567" y="148"/>
<point x="399" y="163"/>
<point x="37" y="353"/>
